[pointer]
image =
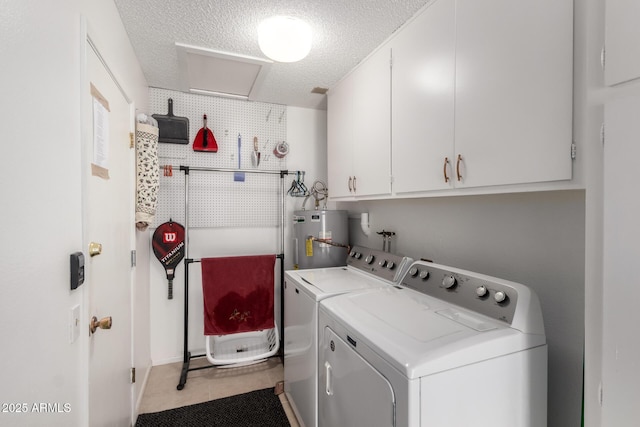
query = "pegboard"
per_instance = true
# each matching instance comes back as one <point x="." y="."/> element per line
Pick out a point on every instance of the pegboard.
<point x="215" y="199"/>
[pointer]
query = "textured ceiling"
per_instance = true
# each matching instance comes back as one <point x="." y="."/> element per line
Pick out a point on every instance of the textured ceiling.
<point x="344" y="32"/>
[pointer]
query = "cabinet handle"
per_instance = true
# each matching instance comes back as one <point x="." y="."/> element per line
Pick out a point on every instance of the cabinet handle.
<point x="444" y="169"/>
<point x="458" y="167"/>
<point x="354" y="184"/>
<point x="350" y="188"/>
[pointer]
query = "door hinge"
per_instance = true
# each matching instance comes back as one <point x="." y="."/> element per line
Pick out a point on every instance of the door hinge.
<point x="133" y="258"/>
<point x="133" y="375"/>
<point x="602" y="134"/>
<point x="131" y="140"/>
<point x="574" y="150"/>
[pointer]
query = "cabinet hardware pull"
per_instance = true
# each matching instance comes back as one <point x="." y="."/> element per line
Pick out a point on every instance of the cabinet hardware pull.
<point x="350" y="188"/>
<point x="458" y="167"/>
<point x="444" y="169"/>
<point x="354" y="184"/>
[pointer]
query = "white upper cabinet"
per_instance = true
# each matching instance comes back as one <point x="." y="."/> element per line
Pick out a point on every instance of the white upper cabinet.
<point x="480" y="94"/>
<point x="340" y="117"/>
<point x="359" y="133"/>
<point x="622" y="41"/>
<point x="513" y="102"/>
<point x="422" y="98"/>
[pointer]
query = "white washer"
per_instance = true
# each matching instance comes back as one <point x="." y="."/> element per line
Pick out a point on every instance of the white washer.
<point x="303" y="290"/>
<point x="446" y="348"/>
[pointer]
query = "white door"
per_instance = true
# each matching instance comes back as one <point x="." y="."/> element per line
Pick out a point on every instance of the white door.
<point x="340" y="139"/>
<point x="108" y="221"/>
<point x="423" y="94"/>
<point x="372" y="125"/>
<point x="514" y="80"/>
<point x="351" y="393"/>
<point x="621" y="288"/>
<point x="622" y="50"/>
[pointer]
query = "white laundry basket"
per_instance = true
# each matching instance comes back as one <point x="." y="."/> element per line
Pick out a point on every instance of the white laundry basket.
<point x="242" y="348"/>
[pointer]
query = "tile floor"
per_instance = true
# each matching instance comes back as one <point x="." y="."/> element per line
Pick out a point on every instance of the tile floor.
<point x="209" y="384"/>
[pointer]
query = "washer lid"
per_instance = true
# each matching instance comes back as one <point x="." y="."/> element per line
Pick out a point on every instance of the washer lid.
<point x="323" y="282"/>
<point x="420" y="335"/>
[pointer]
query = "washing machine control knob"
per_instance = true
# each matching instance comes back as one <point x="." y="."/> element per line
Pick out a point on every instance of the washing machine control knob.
<point x="481" y="291"/>
<point x="352" y="254"/>
<point x="369" y="259"/>
<point x="424" y="274"/>
<point x="449" y="282"/>
<point x="391" y="265"/>
<point x="413" y="271"/>
<point x="358" y="255"/>
<point x="500" y="297"/>
<point x="382" y="263"/>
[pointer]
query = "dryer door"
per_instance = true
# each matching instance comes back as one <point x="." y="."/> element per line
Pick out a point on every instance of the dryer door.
<point x="351" y="392"/>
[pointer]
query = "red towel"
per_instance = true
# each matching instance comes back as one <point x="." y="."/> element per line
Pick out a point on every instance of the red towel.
<point x="238" y="294"/>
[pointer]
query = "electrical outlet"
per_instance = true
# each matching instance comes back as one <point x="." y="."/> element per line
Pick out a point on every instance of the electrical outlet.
<point x="74" y="323"/>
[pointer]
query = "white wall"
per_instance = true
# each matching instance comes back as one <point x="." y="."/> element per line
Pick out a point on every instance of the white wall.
<point x="306" y="135"/>
<point x="41" y="195"/>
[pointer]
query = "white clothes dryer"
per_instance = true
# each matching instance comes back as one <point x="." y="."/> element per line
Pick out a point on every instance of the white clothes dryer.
<point x="444" y="348"/>
<point x="303" y="290"/>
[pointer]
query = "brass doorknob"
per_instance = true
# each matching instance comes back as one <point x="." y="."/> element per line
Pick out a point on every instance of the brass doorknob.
<point x="104" y="323"/>
<point x="95" y="249"/>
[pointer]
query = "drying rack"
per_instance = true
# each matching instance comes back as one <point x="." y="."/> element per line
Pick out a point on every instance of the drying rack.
<point x="187" y="356"/>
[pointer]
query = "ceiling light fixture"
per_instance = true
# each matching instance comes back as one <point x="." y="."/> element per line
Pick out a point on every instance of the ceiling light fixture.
<point x="284" y="39"/>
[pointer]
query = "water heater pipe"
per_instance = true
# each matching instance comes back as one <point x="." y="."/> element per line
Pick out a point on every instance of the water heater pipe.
<point x="364" y="223"/>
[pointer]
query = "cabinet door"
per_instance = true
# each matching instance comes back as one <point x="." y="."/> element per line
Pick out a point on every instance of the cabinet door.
<point x="423" y="94"/>
<point x="513" y="112"/>
<point x="372" y="124"/>
<point x="340" y="120"/>
<point x="622" y="48"/>
<point x="621" y="293"/>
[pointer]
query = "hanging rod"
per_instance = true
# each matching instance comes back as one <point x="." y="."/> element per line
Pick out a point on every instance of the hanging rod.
<point x="187" y="169"/>
<point x="191" y="260"/>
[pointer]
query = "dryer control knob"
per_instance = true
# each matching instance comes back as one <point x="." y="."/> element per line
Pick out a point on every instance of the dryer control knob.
<point x="413" y="271"/>
<point x="391" y="265"/>
<point x="352" y="254"/>
<point x="481" y="291"/>
<point x="500" y="297"/>
<point x="369" y="259"/>
<point x="449" y="282"/>
<point x="383" y="263"/>
<point x="424" y="274"/>
<point x="358" y="255"/>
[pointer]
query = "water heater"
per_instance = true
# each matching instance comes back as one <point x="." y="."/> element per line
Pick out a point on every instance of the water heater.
<point x="328" y="225"/>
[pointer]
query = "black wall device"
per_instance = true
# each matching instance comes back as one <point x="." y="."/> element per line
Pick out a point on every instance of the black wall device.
<point x="77" y="269"/>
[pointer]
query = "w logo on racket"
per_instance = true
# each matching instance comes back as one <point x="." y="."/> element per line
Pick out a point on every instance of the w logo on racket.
<point x="169" y="237"/>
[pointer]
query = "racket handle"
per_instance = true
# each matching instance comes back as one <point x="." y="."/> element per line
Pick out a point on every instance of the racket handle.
<point x="170" y="296"/>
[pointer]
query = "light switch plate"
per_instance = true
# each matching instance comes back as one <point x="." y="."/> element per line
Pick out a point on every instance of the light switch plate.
<point x="74" y="323"/>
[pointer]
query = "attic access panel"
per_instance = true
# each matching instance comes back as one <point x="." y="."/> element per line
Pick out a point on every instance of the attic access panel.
<point x="219" y="73"/>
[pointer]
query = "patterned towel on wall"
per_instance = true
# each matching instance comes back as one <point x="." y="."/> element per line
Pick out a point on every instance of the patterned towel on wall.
<point x="147" y="179"/>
